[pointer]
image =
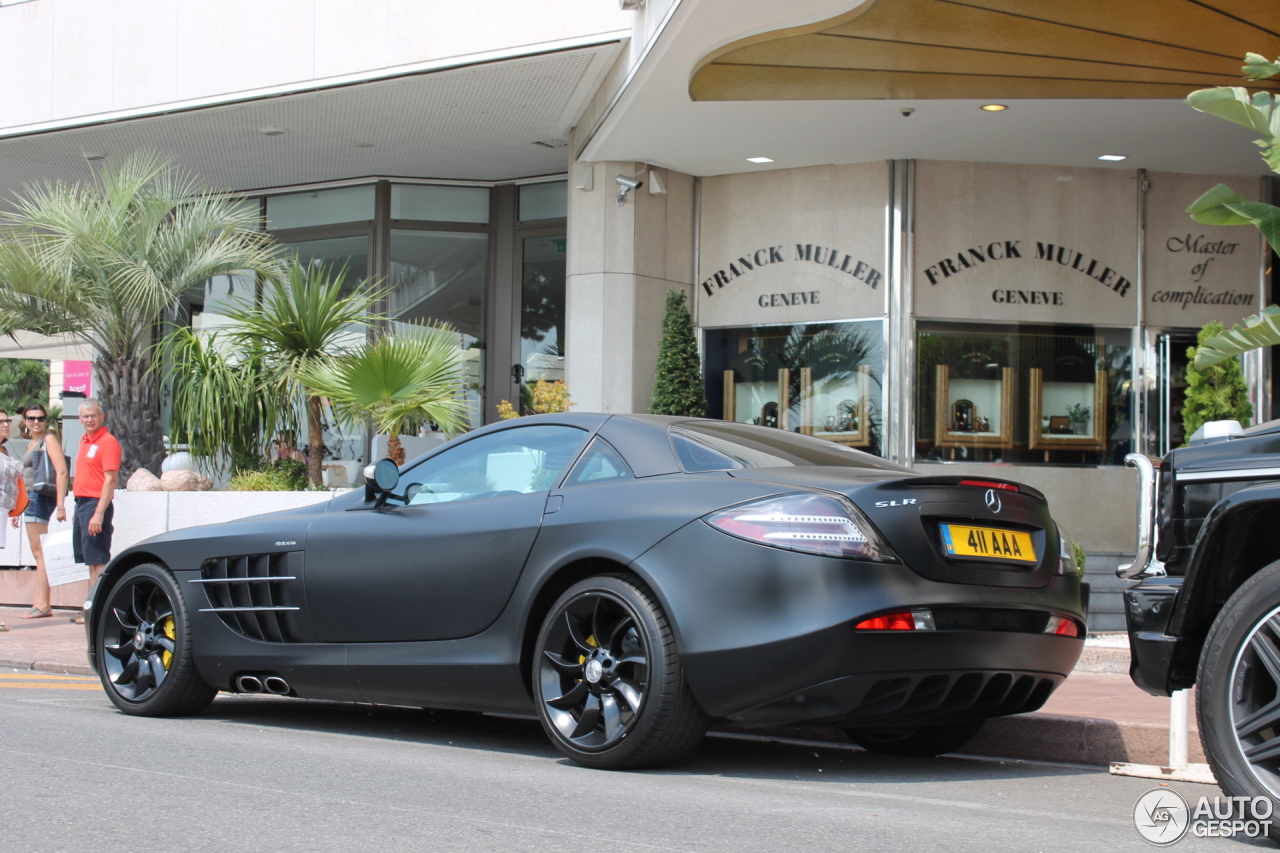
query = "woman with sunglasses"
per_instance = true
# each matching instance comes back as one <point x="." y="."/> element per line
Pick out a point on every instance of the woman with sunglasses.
<point x="35" y="425"/>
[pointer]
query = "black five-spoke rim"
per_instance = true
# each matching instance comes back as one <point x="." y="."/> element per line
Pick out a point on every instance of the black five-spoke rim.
<point x="594" y="671"/>
<point x="138" y="638"/>
<point x="1255" y="701"/>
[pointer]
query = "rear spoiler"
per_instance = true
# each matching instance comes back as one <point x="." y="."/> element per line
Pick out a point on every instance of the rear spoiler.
<point x="975" y="481"/>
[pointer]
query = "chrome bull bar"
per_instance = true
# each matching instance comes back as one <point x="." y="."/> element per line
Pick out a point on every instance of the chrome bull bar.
<point x="1145" y="564"/>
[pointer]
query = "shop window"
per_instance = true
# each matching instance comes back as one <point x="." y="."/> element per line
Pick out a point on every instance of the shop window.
<point x="819" y="379"/>
<point x="321" y="207"/>
<point x="440" y="204"/>
<point x="440" y="276"/>
<point x="542" y="283"/>
<point x="544" y="201"/>
<point x="1022" y="394"/>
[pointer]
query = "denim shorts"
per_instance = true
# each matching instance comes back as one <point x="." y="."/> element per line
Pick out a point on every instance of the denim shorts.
<point x="40" y="508"/>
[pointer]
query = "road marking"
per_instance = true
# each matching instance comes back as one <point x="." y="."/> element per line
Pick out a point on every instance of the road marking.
<point x="44" y="685"/>
<point x="28" y="676"/>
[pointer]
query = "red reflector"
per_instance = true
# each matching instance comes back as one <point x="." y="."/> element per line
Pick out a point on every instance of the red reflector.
<point x="889" y="622"/>
<point x="990" y="484"/>
<point x="1067" y="628"/>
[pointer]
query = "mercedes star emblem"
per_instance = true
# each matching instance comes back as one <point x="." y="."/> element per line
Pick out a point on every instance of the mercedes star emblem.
<point x="993" y="500"/>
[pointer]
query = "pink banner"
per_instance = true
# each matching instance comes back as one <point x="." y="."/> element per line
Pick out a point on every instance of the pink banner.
<point x="78" y="376"/>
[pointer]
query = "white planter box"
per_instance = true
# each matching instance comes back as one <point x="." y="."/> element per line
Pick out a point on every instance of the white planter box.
<point x="140" y="515"/>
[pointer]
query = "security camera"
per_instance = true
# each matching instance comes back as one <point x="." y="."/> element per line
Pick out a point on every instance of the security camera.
<point x="627" y="184"/>
<point x="907" y="111"/>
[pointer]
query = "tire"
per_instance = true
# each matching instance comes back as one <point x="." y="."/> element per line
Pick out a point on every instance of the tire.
<point x="621" y="703"/>
<point x="923" y="741"/>
<point x="144" y="649"/>
<point x="1239" y="729"/>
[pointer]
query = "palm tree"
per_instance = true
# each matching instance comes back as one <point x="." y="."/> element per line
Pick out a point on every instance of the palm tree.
<point x="225" y="405"/>
<point x="103" y="261"/>
<point x="402" y="381"/>
<point x="304" y="320"/>
<point x="23" y="381"/>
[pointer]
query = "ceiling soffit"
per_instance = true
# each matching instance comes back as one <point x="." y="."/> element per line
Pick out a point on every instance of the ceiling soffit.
<point x="998" y="49"/>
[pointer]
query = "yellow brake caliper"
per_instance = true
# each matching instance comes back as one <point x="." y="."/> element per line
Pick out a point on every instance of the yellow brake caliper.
<point x="591" y="641"/>
<point x="167" y="627"/>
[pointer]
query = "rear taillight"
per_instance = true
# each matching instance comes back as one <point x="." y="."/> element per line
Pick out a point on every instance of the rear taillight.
<point x="1062" y="626"/>
<point x="991" y="484"/>
<point x="814" y="524"/>
<point x="911" y="620"/>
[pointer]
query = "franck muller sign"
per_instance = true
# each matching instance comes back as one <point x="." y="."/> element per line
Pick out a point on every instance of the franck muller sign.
<point x="803" y="253"/>
<point x="1052" y="253"/>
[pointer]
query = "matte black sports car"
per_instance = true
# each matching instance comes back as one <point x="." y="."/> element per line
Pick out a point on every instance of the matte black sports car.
<point x="631" y="578"/>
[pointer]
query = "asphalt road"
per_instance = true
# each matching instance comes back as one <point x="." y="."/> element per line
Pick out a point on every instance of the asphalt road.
<point x="257" y="773"/>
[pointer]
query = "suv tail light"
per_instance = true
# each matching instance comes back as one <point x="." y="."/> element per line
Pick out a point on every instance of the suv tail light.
<point x="810" y="523"/>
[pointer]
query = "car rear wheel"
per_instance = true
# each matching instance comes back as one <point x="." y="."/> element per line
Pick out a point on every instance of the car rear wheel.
<point x="144" y="647"/>
<point x="608" y="682"/>
<point x="924" y="741"/>
<point x="1238" y="690"/>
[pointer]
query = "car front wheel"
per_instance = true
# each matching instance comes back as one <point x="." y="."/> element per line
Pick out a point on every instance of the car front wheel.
<point x="1238" y="690"/>
<point x="608" y="682"/>
<point x="144" y="648"/>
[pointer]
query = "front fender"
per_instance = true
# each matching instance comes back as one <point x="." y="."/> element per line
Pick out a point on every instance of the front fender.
<point x="1238" y="538"/>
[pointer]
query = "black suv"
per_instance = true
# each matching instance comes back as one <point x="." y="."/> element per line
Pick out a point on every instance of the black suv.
<point x="1206" y="611"/>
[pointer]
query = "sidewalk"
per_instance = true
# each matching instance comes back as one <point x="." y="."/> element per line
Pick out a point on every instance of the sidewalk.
<point x="1098" y="716"/>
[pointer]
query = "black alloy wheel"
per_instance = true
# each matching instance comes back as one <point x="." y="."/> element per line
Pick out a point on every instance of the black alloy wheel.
<point x="923" y="741"/>
<point x="1238" y="690"/>
<point x="609" y="687"/>
<point x="144" y="647"/>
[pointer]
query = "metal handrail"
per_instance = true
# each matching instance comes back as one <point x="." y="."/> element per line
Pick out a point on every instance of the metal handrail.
<point x="1145" y="564"/>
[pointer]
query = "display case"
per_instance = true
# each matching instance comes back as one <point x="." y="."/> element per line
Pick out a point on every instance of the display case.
<point x="834" y="411"/>
<point x="974" y="412"/>
<point x="1067" y="415"/>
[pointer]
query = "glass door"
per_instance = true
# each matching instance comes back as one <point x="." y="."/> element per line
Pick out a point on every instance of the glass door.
<point x="1167" y="354"/>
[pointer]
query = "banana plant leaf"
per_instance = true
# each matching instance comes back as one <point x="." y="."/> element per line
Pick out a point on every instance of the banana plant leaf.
<point x="1260" y="330"/>
<point x="1224" y="206"/>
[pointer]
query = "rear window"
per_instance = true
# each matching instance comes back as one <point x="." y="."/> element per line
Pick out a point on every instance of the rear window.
<point x="723" y="446"/>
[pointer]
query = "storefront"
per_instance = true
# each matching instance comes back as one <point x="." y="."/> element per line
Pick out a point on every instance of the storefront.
<point x="1038" y="330"/>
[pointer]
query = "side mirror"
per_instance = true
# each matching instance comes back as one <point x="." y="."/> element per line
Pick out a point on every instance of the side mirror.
<point x="380" y="479"/>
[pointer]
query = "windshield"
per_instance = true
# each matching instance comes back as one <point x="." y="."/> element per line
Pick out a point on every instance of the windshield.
<point x="722" y="446"/>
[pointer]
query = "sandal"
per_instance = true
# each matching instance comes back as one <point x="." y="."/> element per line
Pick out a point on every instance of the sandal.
<point x="3" y="627"/>
<point x="78" y="620"/>
<point x="37" y="613"/>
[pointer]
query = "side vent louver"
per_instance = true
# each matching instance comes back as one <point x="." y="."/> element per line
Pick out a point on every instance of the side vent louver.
<point x="251" y="595"/>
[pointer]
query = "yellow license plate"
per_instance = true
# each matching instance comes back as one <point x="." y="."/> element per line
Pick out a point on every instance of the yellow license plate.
<point x="991" y="542"/>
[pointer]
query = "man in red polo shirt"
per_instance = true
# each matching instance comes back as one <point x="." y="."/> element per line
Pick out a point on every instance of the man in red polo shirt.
<point x="97" y="470"/>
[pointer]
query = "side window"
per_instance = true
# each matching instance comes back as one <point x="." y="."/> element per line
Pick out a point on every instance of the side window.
<point x="510" y="462"/>
<point x="600" y="464"/>
<point x="695" y="456"/>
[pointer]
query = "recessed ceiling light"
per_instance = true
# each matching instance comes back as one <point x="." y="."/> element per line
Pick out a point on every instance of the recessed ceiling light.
<point x="273" y="131"/>
<point x="1116" y="157"/>
<point x="94" y="158"/>
<point x="994" y="108"/>
<point x="759" y="159"/>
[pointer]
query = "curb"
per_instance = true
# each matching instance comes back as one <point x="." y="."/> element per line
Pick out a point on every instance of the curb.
<point x="44" y="666"/>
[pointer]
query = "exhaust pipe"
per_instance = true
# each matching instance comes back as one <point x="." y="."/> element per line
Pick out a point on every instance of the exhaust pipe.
<point x="275" y="684"/>
<point x="249" y="684"/>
